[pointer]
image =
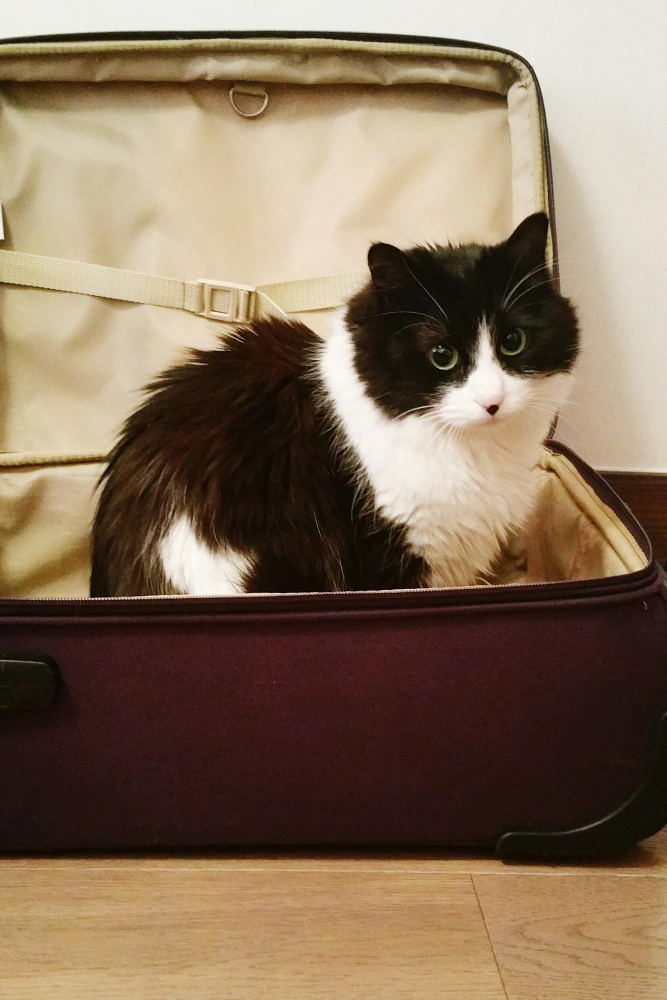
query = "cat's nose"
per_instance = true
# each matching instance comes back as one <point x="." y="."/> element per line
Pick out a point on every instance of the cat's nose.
<point x="490" y="396"/>
<point x="491" y="402"/>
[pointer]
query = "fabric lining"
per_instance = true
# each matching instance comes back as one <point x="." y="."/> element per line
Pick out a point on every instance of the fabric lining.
<point x="129" y="155"/>
<point x="46" y="512"/>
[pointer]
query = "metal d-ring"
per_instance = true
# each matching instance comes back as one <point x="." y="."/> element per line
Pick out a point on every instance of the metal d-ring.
<point x="251" y="90"/>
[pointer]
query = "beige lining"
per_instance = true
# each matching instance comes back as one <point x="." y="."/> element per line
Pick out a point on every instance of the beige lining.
<point x="45" y="515"/>
<point x="164" y="178"/>
<point x="625" y="545"/>
<point x="129" y="155"/>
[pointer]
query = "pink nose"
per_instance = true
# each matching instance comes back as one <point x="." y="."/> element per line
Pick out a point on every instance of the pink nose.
<point x="492" y="402"/>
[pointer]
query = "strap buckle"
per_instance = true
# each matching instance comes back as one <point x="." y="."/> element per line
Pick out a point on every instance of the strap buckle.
<point x="228" y="303"/>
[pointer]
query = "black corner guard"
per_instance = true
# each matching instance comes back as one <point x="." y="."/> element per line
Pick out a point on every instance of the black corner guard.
<point x="640" y="816"/>
<point x="28" y="681"/>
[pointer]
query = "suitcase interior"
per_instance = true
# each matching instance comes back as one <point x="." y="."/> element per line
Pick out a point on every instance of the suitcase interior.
<point x="130" y="155"/>
<point x="380" y="718"/>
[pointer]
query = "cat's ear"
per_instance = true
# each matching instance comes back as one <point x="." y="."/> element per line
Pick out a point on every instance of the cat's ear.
<point x="528" y="242"/>
<point x="387" y="266"/>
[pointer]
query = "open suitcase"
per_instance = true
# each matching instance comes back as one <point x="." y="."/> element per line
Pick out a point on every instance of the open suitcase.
<point x="528" y="716"/>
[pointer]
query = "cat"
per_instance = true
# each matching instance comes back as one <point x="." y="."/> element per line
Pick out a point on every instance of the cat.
<point x="397" y="453"/>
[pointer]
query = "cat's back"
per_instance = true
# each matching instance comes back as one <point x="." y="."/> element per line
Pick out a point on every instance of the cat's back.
<point x="268" y="361"/>
<point x="227" y="423"/>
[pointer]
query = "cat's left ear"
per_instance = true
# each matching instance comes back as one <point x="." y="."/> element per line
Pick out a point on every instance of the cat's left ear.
<point x="528" y="242"/>
<point x="387" y="266"/>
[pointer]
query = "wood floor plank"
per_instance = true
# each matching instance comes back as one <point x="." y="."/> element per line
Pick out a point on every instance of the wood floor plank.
<point x="589" y="937"/>
<point x="137" y="934"/>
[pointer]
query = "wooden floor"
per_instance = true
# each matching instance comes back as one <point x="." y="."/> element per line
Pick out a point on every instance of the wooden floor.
<point x="286" y="925"/>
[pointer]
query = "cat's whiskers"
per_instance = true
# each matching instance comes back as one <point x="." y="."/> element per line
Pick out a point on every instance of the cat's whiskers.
<point x="572" y="403"/>
<point x="507" y="304"/>
<point x="559" y="262"/>
<point x="537" y="405"/>
<point x="526" y="291"/>
<point x="442" y="432"/>
<point x="509" y="280"/>
<point x="507" y="301"/>
<point x="409" y="326"/>
<point x="547" y="411"/>
<point x="416" y="409"/>
<point x="431" y="297"/>
<point x="559" y="265"/>
<point x="403" y="312"/>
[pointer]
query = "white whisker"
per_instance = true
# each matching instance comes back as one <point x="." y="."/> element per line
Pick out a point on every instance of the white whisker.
<point x="417" y="409"/>
<point x="559" y="262"/>
<point x="402" y="312"/>
<point x="509" y="280"/>
<point x="507" y="302"/>
<point x="532" y="288"/>
<point x="410" y="326"/>
<point x="432" y="297"/>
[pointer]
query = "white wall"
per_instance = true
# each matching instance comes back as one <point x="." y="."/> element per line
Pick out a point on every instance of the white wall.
<point x="604" y="73"/>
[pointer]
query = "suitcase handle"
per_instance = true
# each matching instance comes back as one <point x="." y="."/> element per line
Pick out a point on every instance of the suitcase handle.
<point x="28" y="682"/>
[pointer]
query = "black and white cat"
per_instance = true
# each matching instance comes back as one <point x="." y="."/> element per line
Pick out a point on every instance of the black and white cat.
<point x="396" y="453"/>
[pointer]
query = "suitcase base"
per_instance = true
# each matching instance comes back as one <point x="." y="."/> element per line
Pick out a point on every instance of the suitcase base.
<point x="641" y="815"/>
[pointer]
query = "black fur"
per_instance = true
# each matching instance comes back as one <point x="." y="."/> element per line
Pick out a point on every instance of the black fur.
<point x="241" y="441"/>
<point x="238" y="440"/>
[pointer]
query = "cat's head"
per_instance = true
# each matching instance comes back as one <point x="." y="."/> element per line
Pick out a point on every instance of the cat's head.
<point x="472" y="336"/>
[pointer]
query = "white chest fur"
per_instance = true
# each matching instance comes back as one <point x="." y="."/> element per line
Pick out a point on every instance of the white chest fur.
<point x="457" y="493"/>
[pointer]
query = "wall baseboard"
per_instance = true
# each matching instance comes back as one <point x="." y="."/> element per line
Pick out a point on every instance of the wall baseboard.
<point x="645" y="493"/>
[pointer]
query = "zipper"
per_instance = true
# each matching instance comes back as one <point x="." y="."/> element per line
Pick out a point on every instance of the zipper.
<point x="630" y="587"/>
<point x="602" y="581"/>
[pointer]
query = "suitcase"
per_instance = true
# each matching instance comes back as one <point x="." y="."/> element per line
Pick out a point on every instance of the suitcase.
<point x="527" y="717"/>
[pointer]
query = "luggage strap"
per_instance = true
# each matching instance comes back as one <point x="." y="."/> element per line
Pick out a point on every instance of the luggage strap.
<point x="223" y="301"/>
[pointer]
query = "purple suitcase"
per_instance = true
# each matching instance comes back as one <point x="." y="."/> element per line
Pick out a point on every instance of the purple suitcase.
<point x="527" y="717"/>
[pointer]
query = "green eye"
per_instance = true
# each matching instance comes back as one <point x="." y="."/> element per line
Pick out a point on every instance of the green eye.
<point x="443" y="357"/>
<point x="513" y="342"/>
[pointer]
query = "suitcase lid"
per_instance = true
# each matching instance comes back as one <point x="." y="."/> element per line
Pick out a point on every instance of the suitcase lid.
<point x="253" y="161"/>
<point x="144" y="163"/>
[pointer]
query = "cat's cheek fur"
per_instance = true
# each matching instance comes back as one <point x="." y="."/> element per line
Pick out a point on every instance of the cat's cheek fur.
<point x="537" y="398"/>
<point x="192" y="568"/>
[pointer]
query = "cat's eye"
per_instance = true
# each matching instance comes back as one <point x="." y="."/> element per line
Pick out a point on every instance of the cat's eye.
<point x="443" y="357"/>
<point x="513" y="342"/>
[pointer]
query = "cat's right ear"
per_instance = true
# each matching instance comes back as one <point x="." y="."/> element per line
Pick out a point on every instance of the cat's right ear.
<point x="528" y="242"/>
<point x="387" y="266"/>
